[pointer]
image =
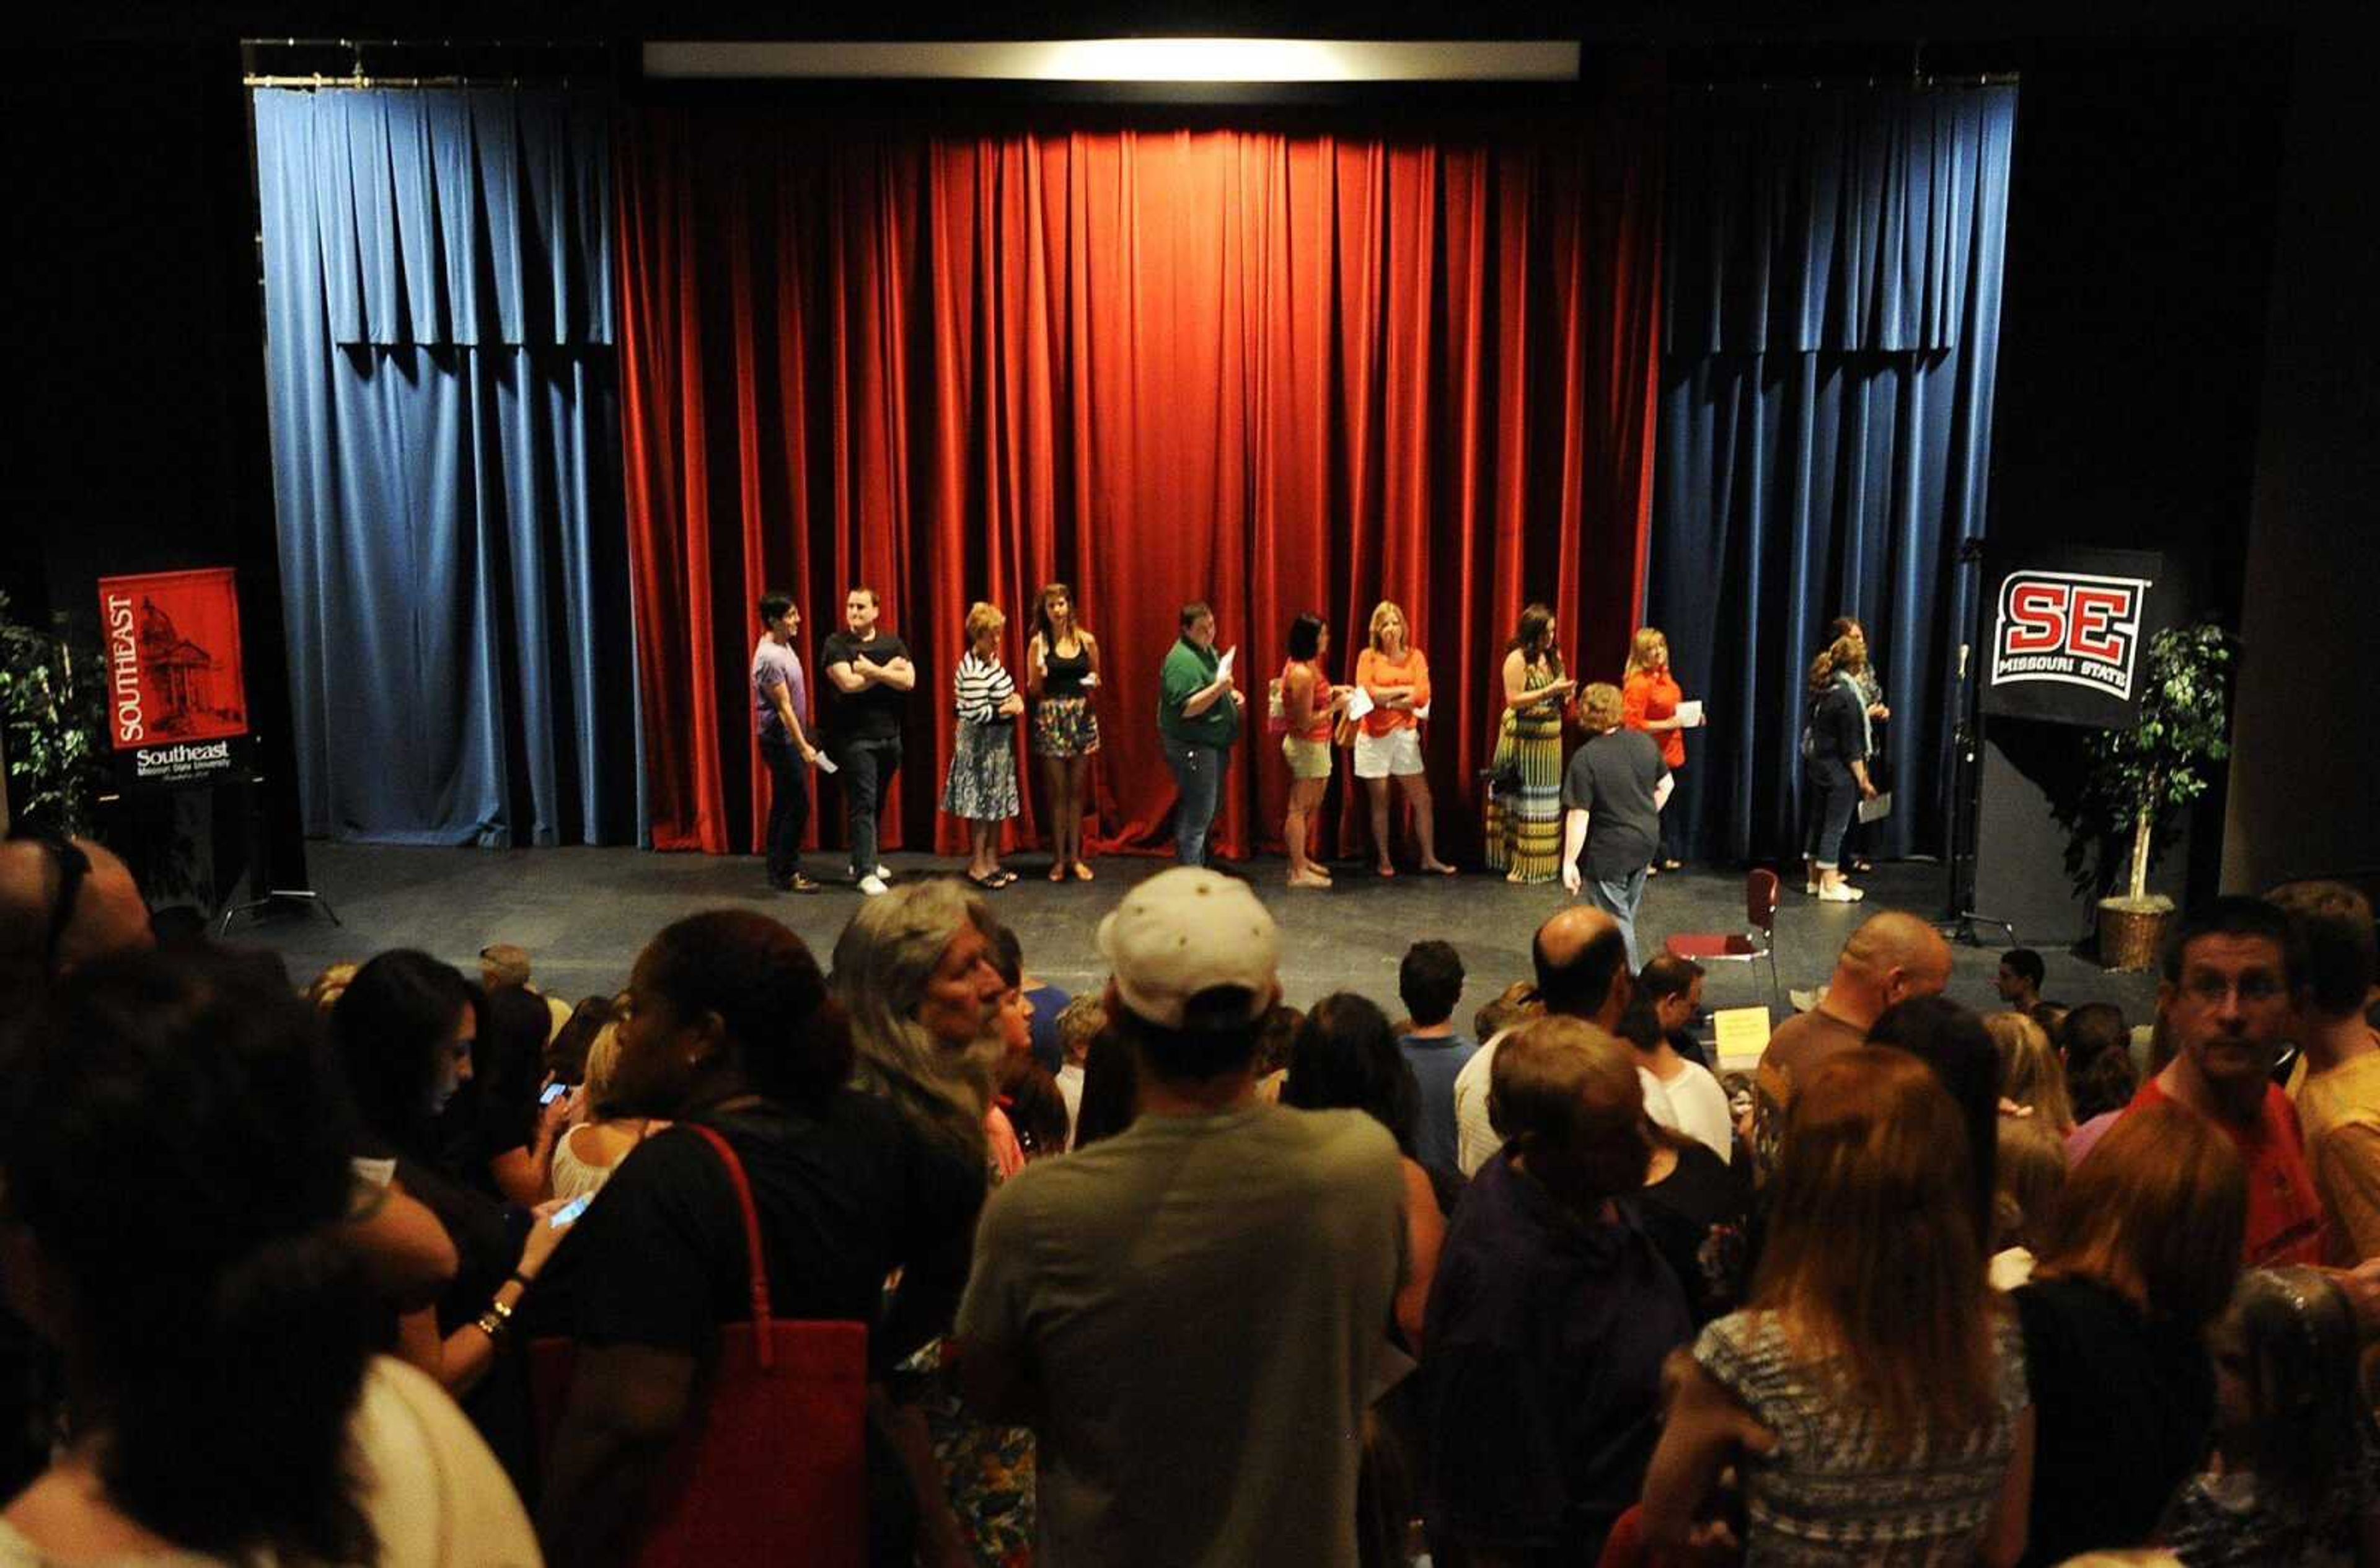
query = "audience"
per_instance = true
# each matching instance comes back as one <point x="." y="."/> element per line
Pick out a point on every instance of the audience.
<point x="1429" y="982"/>
<point x="2339" y="1101"/>
<point x="1694" y="1097"/>
<point x="1890" y="957"/>
<point x="2295" y="1471"/>
<point x="2019" y="981"/>
<point x="1078" y="1024"/>
<point x="1581" y="958"/>
<point x="2224" y="1001"/>
<point x="588" y="1155"/>
<point x="1552" y="1313"/>
<point x="403" y="1030"/>
<point x="1226" y="1319"/>
<point x="2139" y="1259"/>
<point x="2094" y="1044"/>
<point x="226" y="1406"/>
<point x="1872" y="1393"/>
<point x="729" y="1025"/>
<point x="1190" y="1312"/>
<point x="1345" y="1057"/>
<point x="2032" y="1078"/>
<point x="1674" y="987"/>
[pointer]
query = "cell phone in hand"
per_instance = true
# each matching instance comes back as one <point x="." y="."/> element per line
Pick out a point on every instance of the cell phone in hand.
<point x="570" y="1211"/>
<point x="553" y="1092"/>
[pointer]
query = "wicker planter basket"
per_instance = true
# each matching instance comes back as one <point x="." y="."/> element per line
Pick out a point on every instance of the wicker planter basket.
<point x="2130" y="930"/>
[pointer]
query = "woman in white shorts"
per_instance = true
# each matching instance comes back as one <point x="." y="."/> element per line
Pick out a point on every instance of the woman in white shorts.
<point x="1387" y="741"/>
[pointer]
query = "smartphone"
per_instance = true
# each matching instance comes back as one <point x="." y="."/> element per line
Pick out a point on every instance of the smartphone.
<point x="570" y="1211"/>
<point x="553" y="1092"/>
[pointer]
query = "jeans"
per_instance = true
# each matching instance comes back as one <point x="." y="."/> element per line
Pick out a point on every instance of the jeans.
<point x="867" y="769"/>
<point x="789" y="808"/>
<point x="1618" y="898"/>
<point x="1199" y="776"/>
<point x="1834" y="795"/>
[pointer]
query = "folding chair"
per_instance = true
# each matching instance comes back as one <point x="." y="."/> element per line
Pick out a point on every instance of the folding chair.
<point x="1760" y="894"/>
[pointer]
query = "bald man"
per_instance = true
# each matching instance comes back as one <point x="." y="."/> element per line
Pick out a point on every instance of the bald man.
<point x="63" y="905"/>
<point x="1582" y="963"/>
<point x="1890" y="958"/>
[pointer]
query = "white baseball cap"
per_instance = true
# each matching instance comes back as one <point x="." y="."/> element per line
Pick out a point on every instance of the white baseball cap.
<point x="1186" y="930"/>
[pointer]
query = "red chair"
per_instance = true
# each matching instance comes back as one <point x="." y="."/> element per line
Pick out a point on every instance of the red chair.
<point x="772" y="1467"/>
<point x="1760" y="894"/>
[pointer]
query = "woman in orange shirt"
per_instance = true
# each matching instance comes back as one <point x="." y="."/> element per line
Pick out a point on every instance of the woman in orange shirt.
<point x="1388" y="744"/>
<point x="1648" y="701"/>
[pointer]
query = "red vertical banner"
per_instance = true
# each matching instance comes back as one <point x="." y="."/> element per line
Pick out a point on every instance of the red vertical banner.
<point x="176" y="690"/>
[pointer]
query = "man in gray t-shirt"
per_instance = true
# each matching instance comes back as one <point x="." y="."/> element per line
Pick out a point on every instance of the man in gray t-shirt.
<point x="1189" y="1314"/>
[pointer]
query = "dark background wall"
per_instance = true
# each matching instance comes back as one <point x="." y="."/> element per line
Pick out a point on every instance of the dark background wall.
<point x="2160" y="383"/>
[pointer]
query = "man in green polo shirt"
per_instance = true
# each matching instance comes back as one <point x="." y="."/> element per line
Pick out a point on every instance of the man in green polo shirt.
<point x="1198" y="717"/>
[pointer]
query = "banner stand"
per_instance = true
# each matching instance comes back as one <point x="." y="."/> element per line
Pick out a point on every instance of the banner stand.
<point x="1965" y="806"/>
<point x="260" y="870"/>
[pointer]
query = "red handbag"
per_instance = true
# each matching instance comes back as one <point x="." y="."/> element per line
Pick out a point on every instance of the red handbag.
<point x="772" y="1466"/>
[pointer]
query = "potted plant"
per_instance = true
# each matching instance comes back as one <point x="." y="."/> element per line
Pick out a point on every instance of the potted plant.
<point x="49" y="729"/>
<point x="2138" y="781"/>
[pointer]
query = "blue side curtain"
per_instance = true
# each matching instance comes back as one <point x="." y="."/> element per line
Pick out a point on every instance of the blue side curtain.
<point x="1833" y="301"/>
<point x="446" y="467"/>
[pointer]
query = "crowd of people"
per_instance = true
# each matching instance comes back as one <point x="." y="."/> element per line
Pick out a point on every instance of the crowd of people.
<point x="409" y="1264"/>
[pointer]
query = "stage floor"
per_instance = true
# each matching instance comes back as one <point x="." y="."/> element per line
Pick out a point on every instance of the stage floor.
<point x="583" y="914"/>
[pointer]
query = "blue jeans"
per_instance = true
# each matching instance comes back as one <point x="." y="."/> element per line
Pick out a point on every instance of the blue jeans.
<point x="868" y="767"/>
<point x="1199" y="776"/>
<point x="1834" y="796"/>
<point x="789" y="808"/>
<point x="1618" y="899"/>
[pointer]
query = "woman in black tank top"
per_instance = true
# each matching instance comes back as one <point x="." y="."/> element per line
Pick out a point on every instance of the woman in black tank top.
<point x="1061" y="672"/>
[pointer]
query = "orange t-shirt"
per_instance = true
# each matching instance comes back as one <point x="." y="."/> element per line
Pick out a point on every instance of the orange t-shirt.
<point x="1376" y="668"/>
<point x="1653" y="694"/>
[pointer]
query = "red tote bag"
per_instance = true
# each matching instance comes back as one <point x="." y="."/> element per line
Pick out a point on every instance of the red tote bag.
<point x="771" y="1468"/>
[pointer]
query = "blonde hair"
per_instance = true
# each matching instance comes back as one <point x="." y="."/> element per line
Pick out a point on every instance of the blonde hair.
<point x="602" y="1061"/>
<point x="2030" y="1170"/>
<point x="1381" y="611"/>
<point x="1640" y="649"/>
<point x="2030" y="1072"/>
<point x="983" y="620"/>
<point x="330" y="983"/>
<point x="1600" y="707"/>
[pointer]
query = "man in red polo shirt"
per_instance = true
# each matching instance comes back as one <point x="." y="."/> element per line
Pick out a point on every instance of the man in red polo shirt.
<point x="2230" y="975"/>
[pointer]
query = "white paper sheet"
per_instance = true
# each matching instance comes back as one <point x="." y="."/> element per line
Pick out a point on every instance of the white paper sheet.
<point x="1224" y="665"/>
<point x="826" y="764"/>
<point x="1359" y="702"/>
<point x="1878" y="809"/>
<point x="1690" y="715"/>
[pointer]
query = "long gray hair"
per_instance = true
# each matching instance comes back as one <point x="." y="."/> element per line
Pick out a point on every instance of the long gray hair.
<point x="882" y="961"/>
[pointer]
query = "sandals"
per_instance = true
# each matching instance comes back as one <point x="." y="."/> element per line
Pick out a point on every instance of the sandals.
<point x="1081" y="872"/>
<point x="992" y="884"/>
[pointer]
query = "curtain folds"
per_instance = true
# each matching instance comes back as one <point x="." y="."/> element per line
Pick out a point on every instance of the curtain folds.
<point x="444" y="414"/>
<point x="1275" y="371"/>
<point x="1833" y="299"/>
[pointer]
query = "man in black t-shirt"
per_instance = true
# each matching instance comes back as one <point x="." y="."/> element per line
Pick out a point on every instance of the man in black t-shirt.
<point x="868" y="677"/>
<point x="1612" y="796"/>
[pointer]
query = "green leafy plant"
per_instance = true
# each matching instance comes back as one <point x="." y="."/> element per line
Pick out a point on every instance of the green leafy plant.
<point x="50" y="720"/>
<point x="2137" y="782"/>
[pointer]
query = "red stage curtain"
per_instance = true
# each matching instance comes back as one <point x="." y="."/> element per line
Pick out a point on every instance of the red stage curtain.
<point x="1276" y="371"/>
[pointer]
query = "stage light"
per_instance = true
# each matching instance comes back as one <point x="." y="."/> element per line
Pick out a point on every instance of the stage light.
<point x="1208" y="60"/>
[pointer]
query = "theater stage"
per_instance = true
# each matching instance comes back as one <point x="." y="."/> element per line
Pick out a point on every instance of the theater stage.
<point x="583" y="914"/>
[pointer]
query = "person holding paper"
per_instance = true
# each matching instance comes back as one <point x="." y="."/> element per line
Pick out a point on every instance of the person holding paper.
<point x="1649" y="701"/>
<point x="1613" y="794"/>
<point x="1061" y="667"/>
<point x="1309" y="703"/>
<point x="780" y="694"/>
<point x="1198" y="717"/>
<point x="1394" y="678"/>
<point x="1871" y="684"/>
<point x="1835" y="749"/>
<point x="1524" y="809"/>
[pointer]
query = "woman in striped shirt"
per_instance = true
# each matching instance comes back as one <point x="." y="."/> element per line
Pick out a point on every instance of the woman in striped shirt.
<point x="981" y="785"/>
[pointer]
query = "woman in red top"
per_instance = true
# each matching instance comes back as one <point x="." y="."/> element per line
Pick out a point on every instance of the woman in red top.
<point x="1648" y="701"/>
<point x="1309" y="703"/>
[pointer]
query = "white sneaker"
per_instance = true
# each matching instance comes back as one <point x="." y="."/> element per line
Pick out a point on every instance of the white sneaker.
<point x="1841" y="893"/>
<point x="872" y="885"/>
<point x="883" y="873"/>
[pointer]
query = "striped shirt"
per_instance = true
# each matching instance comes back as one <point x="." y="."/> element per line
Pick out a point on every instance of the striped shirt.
<point x="981" y="686"/>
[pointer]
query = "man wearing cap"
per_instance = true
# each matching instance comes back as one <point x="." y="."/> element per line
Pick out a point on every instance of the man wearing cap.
<point x="1188" y="1313"/>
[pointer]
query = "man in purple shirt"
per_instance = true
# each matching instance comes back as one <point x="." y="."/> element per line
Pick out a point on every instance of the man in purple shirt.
<point x="779" y="698"/>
